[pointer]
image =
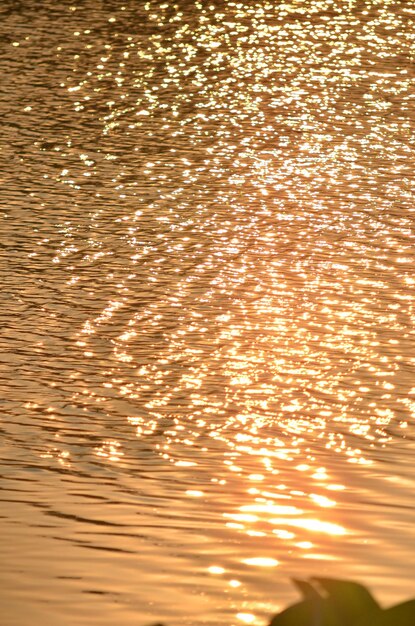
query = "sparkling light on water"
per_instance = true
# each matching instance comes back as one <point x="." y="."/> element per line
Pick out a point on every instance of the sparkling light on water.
<point x="207" y="364"/>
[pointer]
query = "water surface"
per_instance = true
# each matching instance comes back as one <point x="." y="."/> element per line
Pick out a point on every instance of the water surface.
<point x="207" y="322"/>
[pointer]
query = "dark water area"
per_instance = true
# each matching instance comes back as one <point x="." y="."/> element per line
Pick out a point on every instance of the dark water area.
<point x="207" y="306"/>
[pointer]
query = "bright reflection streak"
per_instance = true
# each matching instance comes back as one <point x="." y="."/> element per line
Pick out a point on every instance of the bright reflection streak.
<point x="272" y="509"/>
<point x="283" y="534"/>
<point x="247" y="618"/>
<point x="322" y="500"/>
<point x="235" y="583"/>
<point x="261" y="561"/>
<point x="110" y="450"/>
<point x="194" y="493"/>
<point x="305" y="545"/>
<point x="313" y="525"/>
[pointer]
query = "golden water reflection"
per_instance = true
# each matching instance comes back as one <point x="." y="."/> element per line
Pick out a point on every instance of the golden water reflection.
<point x="208" y="347"/>
<point x="289" y="516"/>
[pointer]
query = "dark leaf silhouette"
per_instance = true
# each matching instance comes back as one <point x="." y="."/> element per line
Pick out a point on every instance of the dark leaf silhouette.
<point x="305" y="613"/>
<point x="348" y="600"/>
<point x="308" y="591"/>
<point x="331" y="602"/>
<point x="399" y="615"/>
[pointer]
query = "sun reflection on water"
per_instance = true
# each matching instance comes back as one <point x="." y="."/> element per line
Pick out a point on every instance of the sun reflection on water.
<point x="237" y="262"/>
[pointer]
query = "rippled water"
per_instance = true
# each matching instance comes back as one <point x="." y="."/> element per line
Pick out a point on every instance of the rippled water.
<point x="207" y="321"/>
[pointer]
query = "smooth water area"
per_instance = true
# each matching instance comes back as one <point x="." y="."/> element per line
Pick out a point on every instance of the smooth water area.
<point x="207" y="306"/>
